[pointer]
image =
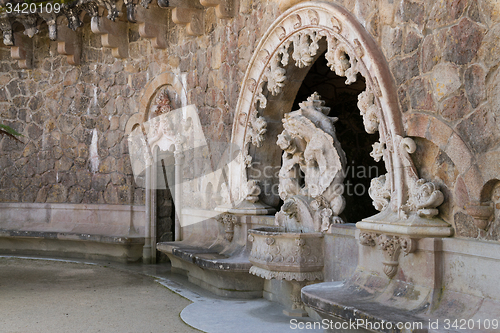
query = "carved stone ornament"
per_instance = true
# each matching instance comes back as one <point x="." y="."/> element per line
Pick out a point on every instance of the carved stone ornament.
<point x="258" y="127"/>
<point x="378" y="151"/>
<point x="161" y="128"/>
<point x="305" y="47"/>
<point x="424" y="198"/>
<point x="310" y="146"/>
<point x="351" y="53"/>
<point x="275" y="74"/>
<point x="286" y="256"/>
<point x="229" y="221"/>
<point x="369" y="111"/>
<point x="253" y="191"/>
<point x="380" y="192"/>
<point x="391" y="246"/>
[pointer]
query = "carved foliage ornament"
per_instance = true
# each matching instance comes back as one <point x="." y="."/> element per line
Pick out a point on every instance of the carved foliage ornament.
<point x="228" y="221"/>
<point x="391" y="246"/>
<point x="380" y="192"/>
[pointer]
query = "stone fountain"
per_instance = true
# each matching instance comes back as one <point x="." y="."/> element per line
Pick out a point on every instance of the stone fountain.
<point x="311" y="186"/>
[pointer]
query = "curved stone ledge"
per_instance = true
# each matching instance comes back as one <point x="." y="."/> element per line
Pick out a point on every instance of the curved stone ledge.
<point x="288" y="276"/>
<point x="205" y="258"/>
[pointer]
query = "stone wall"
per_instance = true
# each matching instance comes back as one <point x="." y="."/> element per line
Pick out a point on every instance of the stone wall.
<point x="443" y="56"/>
<point x="57" y="107"/>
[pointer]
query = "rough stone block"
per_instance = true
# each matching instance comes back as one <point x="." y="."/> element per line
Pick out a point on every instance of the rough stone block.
<point x="405" y="68"/>
<point x="392" y="41"/>
<point x="480" y="130"/>
<point x="417" y="125"/>
<point x="439" y="133"/>
<point x="459" y="152"/>
<point x="445" y="80"/>
<point x="419" y="91"/>
<point x="488" y="164"/>
<point x="492" y="90"/>
<point x="455" y="107"/>
<point x="445" y="12"/>
<point x="463" y="41"/>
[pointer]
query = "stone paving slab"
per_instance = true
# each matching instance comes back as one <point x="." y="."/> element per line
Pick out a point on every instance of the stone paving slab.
<point x="57" y="295"/>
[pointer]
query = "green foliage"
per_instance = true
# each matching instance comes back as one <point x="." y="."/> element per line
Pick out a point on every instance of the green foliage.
<point x="9" y="131"/>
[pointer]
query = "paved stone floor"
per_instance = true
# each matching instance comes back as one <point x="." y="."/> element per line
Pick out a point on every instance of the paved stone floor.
<point x="66" y="297"/>
<point x="40" y="295"/>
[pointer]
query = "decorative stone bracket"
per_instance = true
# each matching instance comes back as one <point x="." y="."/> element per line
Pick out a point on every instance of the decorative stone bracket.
<point x="22" y="50"/>
<point x="68" y="44"/>
<point x="191" y="17"/>
<point x="223" y="8"/>
<point x="229" y="221"/>
<point x="391" y="246"/>
<point x="114" y="35"/>
<point x="153" y="25"/>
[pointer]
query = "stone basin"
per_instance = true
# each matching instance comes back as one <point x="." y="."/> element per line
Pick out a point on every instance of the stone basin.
<point x="284" y="255"/>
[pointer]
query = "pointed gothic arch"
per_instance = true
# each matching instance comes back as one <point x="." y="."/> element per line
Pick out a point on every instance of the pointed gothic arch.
<point x="290" y="45"/>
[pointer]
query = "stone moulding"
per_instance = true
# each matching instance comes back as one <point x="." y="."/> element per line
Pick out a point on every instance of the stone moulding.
<point x="288" y="276"/>
<point x="350" y="50"/>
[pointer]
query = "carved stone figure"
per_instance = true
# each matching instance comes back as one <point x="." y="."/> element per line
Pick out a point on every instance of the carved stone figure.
<point x="310" y="146"/>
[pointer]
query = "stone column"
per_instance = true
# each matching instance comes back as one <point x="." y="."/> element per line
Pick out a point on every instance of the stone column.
<point x="146" y="251"/>
<point x="179" y="161"/>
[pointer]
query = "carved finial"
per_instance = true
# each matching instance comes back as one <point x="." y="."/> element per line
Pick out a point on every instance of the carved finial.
<point x="314" y="101"/>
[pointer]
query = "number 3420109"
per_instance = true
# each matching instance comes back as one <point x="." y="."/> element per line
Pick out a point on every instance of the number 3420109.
<point x="32" y="8"/>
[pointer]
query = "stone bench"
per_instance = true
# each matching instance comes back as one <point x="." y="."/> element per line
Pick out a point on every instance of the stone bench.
<point x="423" y="291"/>
<point x="111" y="232"/>
<point x="222" y="275"/>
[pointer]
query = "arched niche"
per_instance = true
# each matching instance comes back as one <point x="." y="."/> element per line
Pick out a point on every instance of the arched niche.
<point x="164" y="93"/>
<point x="278" y="66"/>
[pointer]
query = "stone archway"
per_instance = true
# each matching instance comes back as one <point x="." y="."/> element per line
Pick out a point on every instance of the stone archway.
<point x="408" y="204"/>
